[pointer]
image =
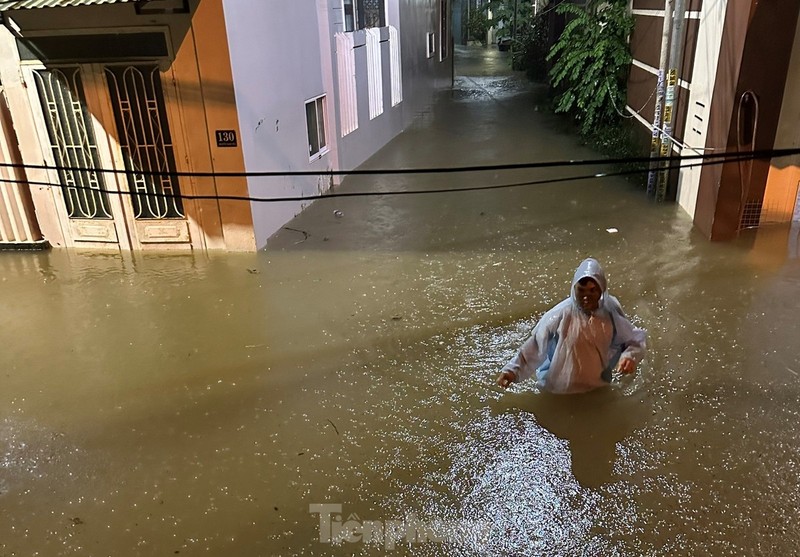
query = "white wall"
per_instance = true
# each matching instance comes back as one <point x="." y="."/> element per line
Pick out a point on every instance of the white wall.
<point x="422" y="76"/>
<point x="279" y="60"/>
<point x="277" y="66"/>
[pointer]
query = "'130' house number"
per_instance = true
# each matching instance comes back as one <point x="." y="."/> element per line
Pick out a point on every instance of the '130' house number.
<point x="226" y="138"/>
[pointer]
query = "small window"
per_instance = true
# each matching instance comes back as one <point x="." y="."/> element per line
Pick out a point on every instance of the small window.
<point x="349" y="15"/>
<point x="315" y="122"/>
<point x="363" y="14"/>
<point x="372" y="12"/>
<point x="431" y="44"/>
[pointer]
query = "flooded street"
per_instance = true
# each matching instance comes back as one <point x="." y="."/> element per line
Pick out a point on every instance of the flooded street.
<point x="248" y="405"/>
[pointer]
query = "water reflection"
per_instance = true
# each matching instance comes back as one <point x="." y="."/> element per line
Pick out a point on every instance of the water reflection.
<point x="592" y="424"/>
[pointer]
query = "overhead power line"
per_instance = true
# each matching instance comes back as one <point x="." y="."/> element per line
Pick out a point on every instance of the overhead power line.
<point x="676" y="164"/>
<point x="762" y="154"/>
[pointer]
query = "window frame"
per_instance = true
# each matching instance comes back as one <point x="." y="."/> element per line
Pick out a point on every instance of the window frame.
<point x="320" y="103"/>
<point x="352" y="13"/>
<point x="355" y="11"/>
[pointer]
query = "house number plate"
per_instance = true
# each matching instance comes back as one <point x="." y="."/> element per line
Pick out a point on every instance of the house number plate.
<point x="226" y="138"/>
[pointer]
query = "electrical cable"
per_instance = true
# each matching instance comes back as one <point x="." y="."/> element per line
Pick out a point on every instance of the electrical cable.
<point x="763" y="154"/>
<point x="633" y="113"/>
<point x="334" y="195"/>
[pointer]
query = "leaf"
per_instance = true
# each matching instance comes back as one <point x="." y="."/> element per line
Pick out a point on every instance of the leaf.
<point x="593" y="48"/>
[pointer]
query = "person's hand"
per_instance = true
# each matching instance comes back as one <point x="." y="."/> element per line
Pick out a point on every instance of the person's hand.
<point x="626" y="365"/>
<point x="506" y="378"/>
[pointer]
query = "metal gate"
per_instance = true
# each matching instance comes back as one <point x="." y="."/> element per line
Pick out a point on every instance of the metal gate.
<point x="137" y="98"/>
<point x="75" y="154"/>
<point x="110" y="144"/>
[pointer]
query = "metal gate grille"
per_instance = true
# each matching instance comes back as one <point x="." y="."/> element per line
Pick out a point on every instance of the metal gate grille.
<point x="138" y="101"/>
<point x="751" y="214"/>
<point x="372" y="13"/>
<point x="72" y="142"/>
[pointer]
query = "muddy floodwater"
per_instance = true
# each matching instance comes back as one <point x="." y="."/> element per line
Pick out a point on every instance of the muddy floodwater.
<point x="334" y="392"/>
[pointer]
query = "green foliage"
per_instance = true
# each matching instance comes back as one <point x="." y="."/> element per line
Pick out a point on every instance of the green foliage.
<point x="591" y="61"/>
<point x="478" y="25"/>
<point x="515" y="19"/>
<point x="621" y="140"/>
<point x="529" y="50"/>
<point x="504" y="17"/>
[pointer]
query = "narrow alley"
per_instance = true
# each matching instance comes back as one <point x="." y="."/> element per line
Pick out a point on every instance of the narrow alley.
<point x="222" y="404"/>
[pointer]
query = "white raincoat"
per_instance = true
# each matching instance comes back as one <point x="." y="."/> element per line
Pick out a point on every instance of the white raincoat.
<point x="571" y="351"/>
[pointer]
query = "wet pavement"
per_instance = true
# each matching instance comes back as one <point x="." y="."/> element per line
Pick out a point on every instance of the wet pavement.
<point x="207" y="404"/>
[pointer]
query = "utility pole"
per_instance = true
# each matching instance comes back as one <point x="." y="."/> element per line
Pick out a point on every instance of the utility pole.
<point x="673" y="78"/>
<point x="655" y="142"/>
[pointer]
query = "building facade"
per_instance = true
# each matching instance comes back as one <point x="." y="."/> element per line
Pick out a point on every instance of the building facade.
<point x="736" y="89"/>
<point x="140" y="124"/>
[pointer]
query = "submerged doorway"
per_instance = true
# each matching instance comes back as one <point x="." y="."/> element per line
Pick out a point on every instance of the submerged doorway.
<point x="95" y="118"/>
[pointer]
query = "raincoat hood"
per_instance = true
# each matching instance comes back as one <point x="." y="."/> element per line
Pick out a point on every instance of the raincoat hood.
<point x="589" y="268"/>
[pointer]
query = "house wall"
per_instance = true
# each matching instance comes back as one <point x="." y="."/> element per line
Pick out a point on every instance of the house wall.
<point x="204" y="80"/>
<point x="20" y="119"/>
<point x="782" y="198"/>
<point x="732" y="47"/>
<point x="645" y="45"/>
<point x="755" y="55"/>
<point x="421" y="77"/>
<point x="372" y="134"/>
<point x="459" y="22"/>
<point x="721" y="107"/>
<point x="706" y="59"/>
<point x="203" y="102"/>
<point x="277" y="67"/>
<point x="237" y="65"/>
<point x="17" y="222"/>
